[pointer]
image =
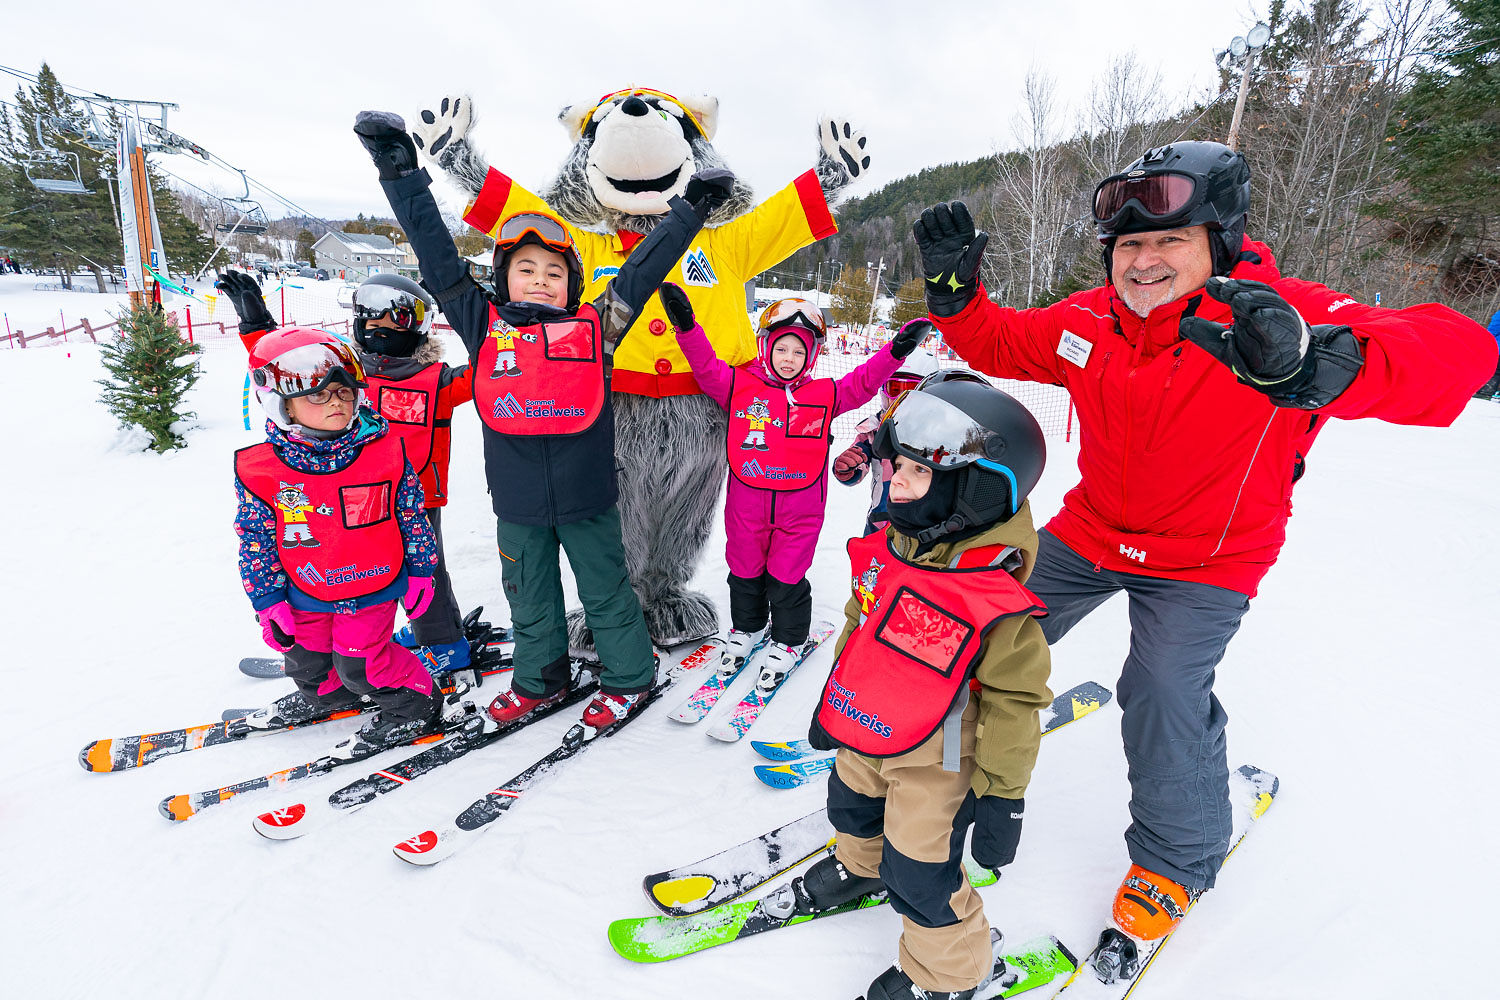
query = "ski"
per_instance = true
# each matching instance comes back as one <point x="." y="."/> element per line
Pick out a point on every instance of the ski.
<point x="125" y="752"/>
<point x="1119" y="962"/>
<point x="735" y="871"/>
<point x="782" y="752"/>
<point x="431" y="846"/>
<point x="293" y="821"/>
<point x="263" y="667"/>
<point x="186" y="806"/>
<point x="703" y="700"/>
<point x="660" y="939"/>
<point x="748" y="710"/>
<point x="1070" y="706"/>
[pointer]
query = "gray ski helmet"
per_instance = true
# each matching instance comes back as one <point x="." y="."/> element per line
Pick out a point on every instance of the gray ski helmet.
<point x="403" y="301"/>
<point x="983" y="432"/>
<point x="1175" y="186"/>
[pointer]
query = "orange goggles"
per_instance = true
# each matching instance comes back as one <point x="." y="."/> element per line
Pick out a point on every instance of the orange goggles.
<point x="550" y="231"/>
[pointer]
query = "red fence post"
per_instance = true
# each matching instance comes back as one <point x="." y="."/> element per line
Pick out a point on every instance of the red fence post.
<point x="88" y="329"/>
<point x="189" y="311"/>
<point x="21" y="336"/>
<point x="283" y="305"/>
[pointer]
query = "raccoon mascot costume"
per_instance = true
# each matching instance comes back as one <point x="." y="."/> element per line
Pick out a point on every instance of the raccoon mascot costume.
<point x="632" y="151"/>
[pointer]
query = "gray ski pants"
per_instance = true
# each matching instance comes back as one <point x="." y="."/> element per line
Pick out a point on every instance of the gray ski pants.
<point x="1173" y="726"/>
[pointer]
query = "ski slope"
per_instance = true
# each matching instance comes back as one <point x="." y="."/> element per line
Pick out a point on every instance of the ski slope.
<point x="1358" y="677"/>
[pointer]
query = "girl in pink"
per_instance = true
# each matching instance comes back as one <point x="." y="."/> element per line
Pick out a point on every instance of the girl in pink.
<point x="780" y="429"/>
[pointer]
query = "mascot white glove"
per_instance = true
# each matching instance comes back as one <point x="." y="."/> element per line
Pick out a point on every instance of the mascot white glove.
<point x="437" y="132"/>
<point x="844" y="145"/>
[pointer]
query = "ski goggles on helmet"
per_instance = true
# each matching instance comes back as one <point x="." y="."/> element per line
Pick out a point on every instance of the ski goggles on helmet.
<point x="1159" y="197"/>
<point x="311" y="368"/>
<point x="897" y="384"/>
<point x="551" y="232"/>
<point x="935" y="433"/>
<point x="406" y="310"/>
<point x="792" y="312"/>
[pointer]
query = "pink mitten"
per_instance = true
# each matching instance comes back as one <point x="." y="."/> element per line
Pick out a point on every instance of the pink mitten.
<point x="849" y="467"/>
<point x="277" y="627"/>
<point x="418" y="596"/>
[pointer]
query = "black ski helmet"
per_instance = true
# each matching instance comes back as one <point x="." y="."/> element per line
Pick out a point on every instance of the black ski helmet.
<point x="400" y="299"/>
<point x="1175" y="186"/>
<point x="984" y="433"/>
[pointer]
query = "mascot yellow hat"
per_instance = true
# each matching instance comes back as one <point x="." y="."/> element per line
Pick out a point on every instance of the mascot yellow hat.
<point x="694" y="116"/>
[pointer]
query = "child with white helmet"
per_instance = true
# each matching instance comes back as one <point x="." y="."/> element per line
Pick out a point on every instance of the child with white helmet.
<point x="332" y="535"/>
<point x="780" y="430"/>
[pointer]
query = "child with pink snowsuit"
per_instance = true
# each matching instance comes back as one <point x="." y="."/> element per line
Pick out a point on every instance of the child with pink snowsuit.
<point x="780" y="429"/>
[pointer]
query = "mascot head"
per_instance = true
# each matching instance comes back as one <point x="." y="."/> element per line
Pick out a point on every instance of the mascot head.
<point x="632" y="151"/>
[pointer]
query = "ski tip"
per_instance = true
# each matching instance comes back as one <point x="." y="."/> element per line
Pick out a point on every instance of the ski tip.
<point x="282" y="824"/>
<point x="98" y="756"/>
<point x="419" y="850"/>
<point x="673" y="894"/>
<point x="177" y="807"/>
<point x="725" y="734"/>
<point x="778" y="775"/>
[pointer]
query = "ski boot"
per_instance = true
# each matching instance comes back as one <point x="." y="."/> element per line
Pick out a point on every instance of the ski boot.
<point x="825" y="885"/>
<point x="444" y="658"/>
<point x="1148" y="906"/>
<point x="608" y="709"/>
<point x="776" y="664"/>
<point x="510" y="704"/>
<point x="405" y="637"/>
<point x="894" y="984"/>
<point x="737" y="647"/>
<point x="296" y="708"/>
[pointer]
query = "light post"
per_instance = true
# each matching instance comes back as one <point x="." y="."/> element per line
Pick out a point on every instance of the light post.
<point x="1244" y="50"/>
<point x="874" y="290"/>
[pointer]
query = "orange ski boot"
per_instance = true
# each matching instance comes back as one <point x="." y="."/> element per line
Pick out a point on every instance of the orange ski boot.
<point x="1148" y="906"/>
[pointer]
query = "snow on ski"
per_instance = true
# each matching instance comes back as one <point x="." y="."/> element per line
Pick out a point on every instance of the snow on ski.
<point x="1118" y="962"/>
<point x="661" y="938"/>
<point x="748" y="710"/>
<point x="296" y="820"/>
<point x="431" y="846"/>
<point x="185" y="806"/>
<point x="703" y="700"/>
<point x="782" y="752"/>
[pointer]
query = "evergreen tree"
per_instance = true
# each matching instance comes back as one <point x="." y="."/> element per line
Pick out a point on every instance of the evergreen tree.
<point x="911" y="302"/>
<point x="151" y="369"/>
<point x="305" y="241"/>
<point x="187" y="246"/>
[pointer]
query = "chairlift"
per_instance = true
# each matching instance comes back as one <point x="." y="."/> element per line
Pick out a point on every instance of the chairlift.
<point x="252" y="219"/>
<point x="48" y="160"/>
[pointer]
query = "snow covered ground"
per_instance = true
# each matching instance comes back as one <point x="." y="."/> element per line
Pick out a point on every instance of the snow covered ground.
<point x="1358" y="677"/>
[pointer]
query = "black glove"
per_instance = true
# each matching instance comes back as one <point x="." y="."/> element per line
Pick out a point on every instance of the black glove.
<point x="384" y="135"/>
<point x="675" y="301"/>
<point x="1272" y="350"/>
<point x="951" y="254"/>
<point x="910" y="336"/>
<point x="243" y="292"/>
<point x="707" y="190"/>
<point x="997" y="831"/>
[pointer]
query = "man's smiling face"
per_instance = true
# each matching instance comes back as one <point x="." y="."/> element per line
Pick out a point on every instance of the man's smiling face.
<point x="1152" y="269"/>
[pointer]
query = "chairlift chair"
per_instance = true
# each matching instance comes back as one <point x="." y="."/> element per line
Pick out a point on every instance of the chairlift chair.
<point x="252" y="219"/>
<point x="42" y="162"/>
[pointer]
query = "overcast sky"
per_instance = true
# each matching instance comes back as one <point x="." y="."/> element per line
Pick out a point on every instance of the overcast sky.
<point x="273" y="87"/>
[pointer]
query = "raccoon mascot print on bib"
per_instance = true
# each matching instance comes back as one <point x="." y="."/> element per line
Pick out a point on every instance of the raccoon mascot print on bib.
<point x="632" y="150"/>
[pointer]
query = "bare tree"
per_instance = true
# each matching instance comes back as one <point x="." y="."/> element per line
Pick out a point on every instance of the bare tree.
<point x="1031" y="205"/>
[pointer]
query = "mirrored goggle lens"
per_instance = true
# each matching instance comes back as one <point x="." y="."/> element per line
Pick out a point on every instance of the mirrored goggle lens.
<point x="896" y="386"/>
<point x="788" y="312"/>
<point x="1158" y="195"/>
<point x="376" y="301"/>
<point x="548" y="230"/>
<point x="310" y="368"/>
<point x="933" y="432"/>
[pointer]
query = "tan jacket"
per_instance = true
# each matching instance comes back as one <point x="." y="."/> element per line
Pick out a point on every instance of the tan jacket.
<point x="1012" y="667"/>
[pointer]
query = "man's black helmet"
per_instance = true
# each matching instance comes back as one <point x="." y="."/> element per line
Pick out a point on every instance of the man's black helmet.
<point x="1175" y="186"/>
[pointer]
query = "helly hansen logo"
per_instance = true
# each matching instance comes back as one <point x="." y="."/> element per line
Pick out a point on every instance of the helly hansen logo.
<point x="696" y="270"/>
<point x="1131" y="552"/>
<point x="308" y="574"/>
<point x="507" y="406"/>
<point x="752" y="470"/>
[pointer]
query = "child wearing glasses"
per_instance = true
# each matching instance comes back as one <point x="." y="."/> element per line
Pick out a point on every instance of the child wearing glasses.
<point x="780" y="430"/>
<point x="332" y="534"/>
<point x="541" y="361"/>
<point x="417" y="393"/>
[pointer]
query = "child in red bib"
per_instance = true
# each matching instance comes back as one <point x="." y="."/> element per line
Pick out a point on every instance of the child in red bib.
<point x="936" y="686"/>
<point x="780" y="429"/>
<point x="332" y="534"/>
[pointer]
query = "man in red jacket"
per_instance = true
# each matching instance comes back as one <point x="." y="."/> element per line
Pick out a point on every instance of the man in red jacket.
<point x="1201" y="377"/>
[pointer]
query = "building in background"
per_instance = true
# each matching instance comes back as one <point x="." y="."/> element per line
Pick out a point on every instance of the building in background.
<point x="356" y="256"/>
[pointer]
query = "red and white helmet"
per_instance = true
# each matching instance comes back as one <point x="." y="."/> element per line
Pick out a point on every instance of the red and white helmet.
<point x="795" y="316"/>
<point x="299" y="361"/>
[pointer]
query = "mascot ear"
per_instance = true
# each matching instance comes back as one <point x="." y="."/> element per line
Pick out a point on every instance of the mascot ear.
<point x="706" y="110"/>
<point x="575" y="116"/>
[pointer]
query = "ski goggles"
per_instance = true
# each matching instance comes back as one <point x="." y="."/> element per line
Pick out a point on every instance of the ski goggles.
<point x="897" y="384"/>
<point x="1159" y="197"/>
<point x="934" y="433"/>
<point x="951" y="375"/>
<point x="311" y="368"/>
<point x="406" y="310"/>
<point x="793" y="312"/>
<point x="551" y="232"/>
